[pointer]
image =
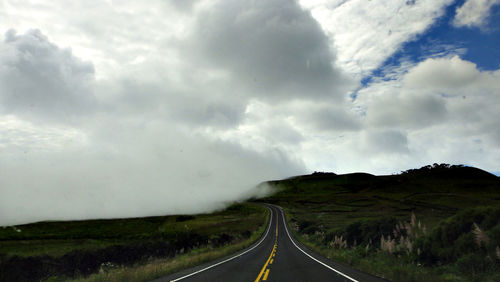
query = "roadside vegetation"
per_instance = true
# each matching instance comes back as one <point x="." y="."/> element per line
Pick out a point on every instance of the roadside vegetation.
<point x="136" y="249"/>
<point x="436" y="223"/>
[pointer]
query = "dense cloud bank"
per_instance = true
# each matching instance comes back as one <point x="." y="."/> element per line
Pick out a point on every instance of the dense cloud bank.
<point x="67" y="154"/>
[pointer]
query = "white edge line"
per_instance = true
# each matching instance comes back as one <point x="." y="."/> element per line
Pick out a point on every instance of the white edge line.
<point x="231" y="258"/>
<point x="324" y="264"/>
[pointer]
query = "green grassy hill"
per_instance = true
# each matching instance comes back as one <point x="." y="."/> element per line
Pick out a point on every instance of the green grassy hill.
<point x="118" y="248"/>
<point x="438" y="222"/>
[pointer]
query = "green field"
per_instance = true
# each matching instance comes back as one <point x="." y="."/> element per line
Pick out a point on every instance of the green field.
<point x="366" y="221"/>
<point x="79" y="248"/>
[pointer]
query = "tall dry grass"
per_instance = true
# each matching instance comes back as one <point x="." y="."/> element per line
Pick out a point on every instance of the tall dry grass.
<point x="480" y="236"/>
<point x="403" y="236"/>
<point x="401" y="240"/>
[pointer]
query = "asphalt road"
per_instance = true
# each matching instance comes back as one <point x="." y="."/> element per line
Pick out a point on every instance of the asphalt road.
<point x="275" y="257"/>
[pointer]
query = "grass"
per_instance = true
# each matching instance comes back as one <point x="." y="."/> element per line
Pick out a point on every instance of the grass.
<point x="59" y="238"/>
<point x="162" y="267"/>
<point x="325" y="209"/>
<point x="377" y="263"/>
<point x="54" y="248"/>
<point x="66" y="249"/>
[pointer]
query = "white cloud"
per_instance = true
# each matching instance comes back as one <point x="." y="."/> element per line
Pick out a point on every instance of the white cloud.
<point x="140" y="170"/>
<point x="439" y="110"/>
<point x="402" y="108"/>
<point x="19" y="138"/>
<point x="385" y="142"/>
<point x="453" y="76"/>
<point x="274" y="48"/>
<point x="474" y="13"/>
<point x="442" y="73"/>
<point x="135" y="151"/>
<point x="40" y="80"/>
<point x="447" y="107"/>
<point x="110" y="34"/>
<point x="366" y="33"/>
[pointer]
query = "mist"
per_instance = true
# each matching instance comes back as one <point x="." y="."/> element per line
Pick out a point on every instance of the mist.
<point x="157" y="173"/>
<point x="77" y="147"/>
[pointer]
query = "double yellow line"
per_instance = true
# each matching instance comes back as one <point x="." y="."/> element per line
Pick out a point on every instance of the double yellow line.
<point x="264" y="272"/>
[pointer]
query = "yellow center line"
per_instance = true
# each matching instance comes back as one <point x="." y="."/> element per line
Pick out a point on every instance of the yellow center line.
<point x="265" y="275"/>
<point x="273" y="252"/>
<point x="265" y="265"/>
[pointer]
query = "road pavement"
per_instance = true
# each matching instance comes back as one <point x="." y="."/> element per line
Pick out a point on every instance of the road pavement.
<point x="275" y="257"/>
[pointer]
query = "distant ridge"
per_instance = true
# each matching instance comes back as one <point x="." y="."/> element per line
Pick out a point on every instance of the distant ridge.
<point x="315" y="175"/>
<point x="435" y="170"/>
<point x="450" y="171"/>
<point x="432" y="178"/>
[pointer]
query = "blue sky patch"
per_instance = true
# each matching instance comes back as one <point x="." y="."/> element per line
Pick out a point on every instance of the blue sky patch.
<point x="478" y="45"/>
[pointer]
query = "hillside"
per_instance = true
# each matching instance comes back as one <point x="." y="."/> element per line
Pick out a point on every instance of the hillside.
<point x="352" y="217"/>
<point x="127" y="249"/>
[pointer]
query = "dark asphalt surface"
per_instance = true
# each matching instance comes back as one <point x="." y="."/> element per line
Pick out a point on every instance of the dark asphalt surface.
<point x="273" y="258"/>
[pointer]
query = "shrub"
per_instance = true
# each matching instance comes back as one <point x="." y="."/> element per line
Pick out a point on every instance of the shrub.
<point x="306" y="226"/>
<point x="182" y="218"/>
<point x="364" y="231"/>
<point x="475" y="230"/>
<point x="473" y="264"/>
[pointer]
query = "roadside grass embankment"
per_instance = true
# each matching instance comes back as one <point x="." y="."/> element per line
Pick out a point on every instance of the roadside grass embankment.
<point x="161" y="267"/>
<point x="439" y="223"/>
<point x="122" y="247"/>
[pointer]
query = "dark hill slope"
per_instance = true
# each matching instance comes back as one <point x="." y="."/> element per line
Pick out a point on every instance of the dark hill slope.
<point x="445" y="171"/>
<point x="438" y="178"/>
<point x="434" y="192"/>
<point x="348" y="216"/>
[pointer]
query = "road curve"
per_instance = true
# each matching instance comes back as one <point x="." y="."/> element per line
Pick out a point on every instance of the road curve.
<point x="275" y="257"/>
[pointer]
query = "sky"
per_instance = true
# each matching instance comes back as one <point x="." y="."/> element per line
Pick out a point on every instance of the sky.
<point x="135" y="108"/>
